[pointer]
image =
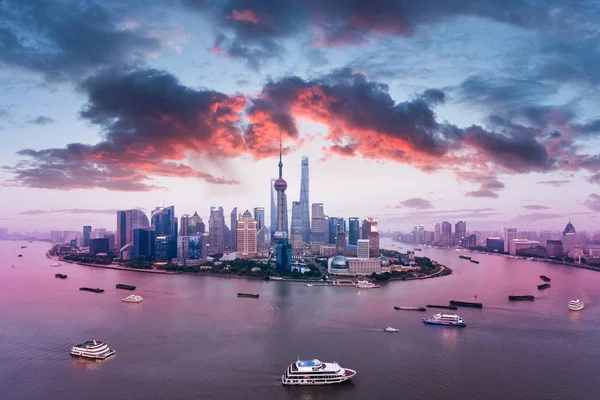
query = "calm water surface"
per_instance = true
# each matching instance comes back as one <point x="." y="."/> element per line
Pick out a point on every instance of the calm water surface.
<point x="192" y="338"/>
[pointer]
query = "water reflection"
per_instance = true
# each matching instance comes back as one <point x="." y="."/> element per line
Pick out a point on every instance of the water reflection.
<point x="88" y="364"/>
<point x="450" y="337"/>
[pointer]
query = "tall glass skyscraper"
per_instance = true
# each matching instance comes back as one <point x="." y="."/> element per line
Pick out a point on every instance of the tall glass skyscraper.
<point x="304" y="201"/>
<point x="353" y="230"/>
<point x="164" y="222"/>
<point x="259" y="216"/>
<point x="297" y="229"/>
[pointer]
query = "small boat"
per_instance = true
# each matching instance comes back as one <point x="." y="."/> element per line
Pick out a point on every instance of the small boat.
<point x="126" y="287"/>
<point x="474" y="261"/>
<point x="444" y="307"/>
<point x="544" y="286"/>
<point x="133" y="298"/>
<point x="416" y="249"/>
<point x="95" y="290"/>
<point x="23" y="247"/>
<point x="310" y="285"/>
<point x="55" y="265"/>
<point x="411" y="308"/>
<point x="255" y="296"/>
<point x="576" y="305"/>
<point x="20" y="255"/>
<point x="464" y="257"/>
<point x="466" y="304"/>
<point x="545" y="278"/>
<point x="524" y="297"/>
<point x="315" y="372"/>
<point x="61" y="276"/>
<point x="92" y="349"/>
<point x="390" y="329"/>
<point x="445" y="319"/>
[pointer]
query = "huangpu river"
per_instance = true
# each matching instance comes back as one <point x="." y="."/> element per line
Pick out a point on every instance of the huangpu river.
<point x="192" y="338"/>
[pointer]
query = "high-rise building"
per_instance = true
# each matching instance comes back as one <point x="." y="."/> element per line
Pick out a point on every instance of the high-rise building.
<point x="259" y="216"/>
<point x="216" y="231"/>
<point x="341" y="244"/>
<point x="273" y="227"/>
<point x="460" y="231"/>
<point x="297" y="228"/>
<point x="189" y="248"/>
<point x="246" y="235"/>
<point x="318" y="227"/>
<point x="437" y="232"/>
<point x="446" y="233"/>
<point x="373" y="236"/>
<point x="304" y="200"/>
<point x="162" y="248"/>
<point x="263" y="238"/>
<point x="184" y="225"/>
<point x="509" y="235"/>
<point x="494" y="244"/>
<point x="569" y="238"/>
<point x="283" y="255"/>
<point x="87" y="230"/>
<point x="111" y="240"/>
<point x="164" y="222"/>
<point x="127" y="221"/>
<point x="353" y="230"/>
<point x="196" y="226"/>
<point x="362" y="248"/>
<point x="98" y="245"/>
<point x="366" y="228"/>
<point x="280" y="186"/>
<point x="554" y="248"/>
<point x="233" y="227"/>
<point x="143" y="243"/>
<point x="336" y="225"/>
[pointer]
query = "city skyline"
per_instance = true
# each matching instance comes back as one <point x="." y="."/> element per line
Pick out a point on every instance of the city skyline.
<point x="406" y="113"/>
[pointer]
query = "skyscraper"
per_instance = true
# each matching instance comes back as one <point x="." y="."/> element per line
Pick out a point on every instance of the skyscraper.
<point x="373" y="237"/>
<point x="297" y="229"/>
<point x="164" y="222"/>
<point x="216" y="230"/>
<point x="304" y="200"/>
<point x="273" y="227"/>
<point x="87" y="230"/>
<point x="509" y="235"/>
<point x="353" y="230"/>
<point x="233" y="227"/>
<point x="569" y="238"/>
<point x="196" y="226"/>
<point x="184" y="225"/>
<point x="143" y="243"/>
<point x="446" y="233"/>
<point x="259" y="216"/>
<point x="362" y="248"/>
<point x="318" y="229"/>
<point x="189" y="248"/>
<point x="437" y="232"/>
<point x="460" y="231"/>
<point x="246" y="235"/>
<point x="127" y="221"/>
<point x="280" y="186"/>
<point x="336" y="225"/>
<point x="366" y="228"/>
<point x="341" y="244"/>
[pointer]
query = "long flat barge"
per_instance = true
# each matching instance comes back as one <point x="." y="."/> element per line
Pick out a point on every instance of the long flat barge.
<point x="545" y="278"/>
<point x="95" y="290"/>
<point x="524" y="297"/>
<point x="466" y="304"/>
<point x="254" y="296"/>
<point x="450" y="307"/>
<point x="411" y="308"/>
<point x="126" y="287"/>
<point x="544" y="286"/>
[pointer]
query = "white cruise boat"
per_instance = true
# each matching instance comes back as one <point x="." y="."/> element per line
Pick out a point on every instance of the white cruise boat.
<point x="92" y="349"/>
<point x="315" y="372"/>
<point x="366" y="285"/>
<point x="576" y="305"/>
<point x="445" y="319"/>
<point x="390" y="329"/>
<point x="55" y="264"/>
<point x="133" y="298"/>
<point x="310" y="285"/>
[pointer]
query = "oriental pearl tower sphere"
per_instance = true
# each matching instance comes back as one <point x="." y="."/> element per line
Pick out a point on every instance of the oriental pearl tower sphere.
<point x="280" y="186"/>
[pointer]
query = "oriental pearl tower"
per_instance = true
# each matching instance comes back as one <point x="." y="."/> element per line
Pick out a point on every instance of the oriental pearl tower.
<point x="280" y="186"/>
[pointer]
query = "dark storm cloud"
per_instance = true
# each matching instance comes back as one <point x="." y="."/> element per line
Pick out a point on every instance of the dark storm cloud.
<point x="41" y="120"/>
<point x="63" y="40"/>
<point x="434" y="96"/>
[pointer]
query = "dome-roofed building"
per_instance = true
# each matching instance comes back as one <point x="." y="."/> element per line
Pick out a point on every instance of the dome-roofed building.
<point x="338" y="265"/>
<point x="385" y="262"/>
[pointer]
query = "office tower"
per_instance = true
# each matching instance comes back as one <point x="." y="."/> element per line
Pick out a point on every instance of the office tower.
<point x="233" y="227"/>
<point x="127" y="221"/>
<point x="246" y="235"/>
<point x="283" y="255"/>
<point x="216" y="231"/>
<point x="164" y="222"/>
<point x="111" y="240"/>
<point x="87" y="230"/>
<point x="259" y="216"/>
<point x="366" y="228"/>
<point x="263" y="239"/>
<point x="446" y="233"/>
<point x="336" y="225"/>
<point x="98" y="233"/>
<point x="373" y="237"/>
<point x="362" y="248"/>
<point x="353" y="230"/>
<point x="184" y="225"/>
<point x="189" y="248"/>
<point x="318" y="229"/>
<point x="509" y="235"/>
<point x="437" y="232"/>
<point x="280" y="186"/>
<point x="297" y="228"/>
<point x="420" y="234"/>
<point x="162" y="248"/>
<point x="98" y="246"/>
<point x="304" y="200"/>
<point x="341" y="244"/>
<point x="569" y="239"/>
<point x="196" y="226"/>
<point x="143" y="243"/>
<point x="460" y="231"/>
<point x="273" y="227"/>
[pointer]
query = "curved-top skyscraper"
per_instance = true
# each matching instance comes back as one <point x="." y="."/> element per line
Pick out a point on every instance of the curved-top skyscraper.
<point x="280" y="185"/>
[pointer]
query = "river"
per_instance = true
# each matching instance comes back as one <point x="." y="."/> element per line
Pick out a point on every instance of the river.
<point x="192" y="338"/>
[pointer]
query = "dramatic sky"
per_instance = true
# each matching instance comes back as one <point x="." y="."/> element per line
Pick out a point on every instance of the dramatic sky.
<point x="414" y="111"/>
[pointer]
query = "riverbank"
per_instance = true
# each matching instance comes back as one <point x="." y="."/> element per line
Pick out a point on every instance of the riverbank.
<point x="117" y="267"/>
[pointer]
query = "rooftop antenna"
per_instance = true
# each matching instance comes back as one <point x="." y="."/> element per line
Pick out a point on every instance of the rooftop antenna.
<point x="280" y="162"/>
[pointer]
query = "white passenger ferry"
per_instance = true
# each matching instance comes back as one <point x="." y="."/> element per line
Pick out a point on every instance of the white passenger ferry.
<point x="92" y="349"/>
<point x="315" y="372"/>
<point x="576" y="305"/>
<point x="366" y="285"/>
<point x="133" y="298"/>
<point x="445" y="319"/>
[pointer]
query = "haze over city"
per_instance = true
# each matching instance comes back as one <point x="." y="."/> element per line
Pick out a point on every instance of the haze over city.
<point x="406" y="110"/>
